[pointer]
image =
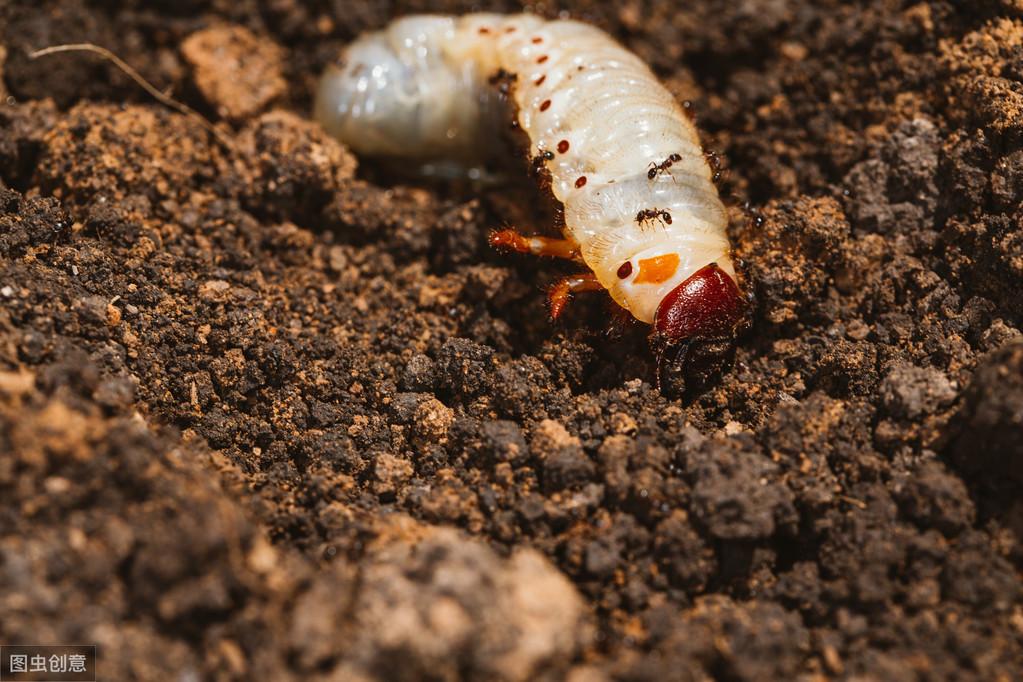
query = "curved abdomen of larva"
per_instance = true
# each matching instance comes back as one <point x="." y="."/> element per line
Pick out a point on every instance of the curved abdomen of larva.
<point x="615" y="142"/>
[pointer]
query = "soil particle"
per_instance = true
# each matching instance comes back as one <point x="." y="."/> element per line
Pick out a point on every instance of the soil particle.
<point x="689" y="563"/>
<point x="935" y="498"/>
<point x="989" y="444"/>
<point x="795" y="253"/>
<point x="298" y="168"/>
<point x="432" y="421"/>
<point x="3" y="59"/>
<point x="982" y="68"/>
<point x="238" y="72"/>
<point x="392" y="473"/>
<point x="563" y="460"/>
<point x="894" y="191"/>
<point x="27" y="223"/>
<point x="420" y="373"/>
<point x="466" y="368"/>
<point x="446" y="608"/>
<point x="23" y="130"/>
<point x="910" y="392"/>
<point x="101" y="152"/>
<point x="732" y="495"/>
<point x="720" y="639"/>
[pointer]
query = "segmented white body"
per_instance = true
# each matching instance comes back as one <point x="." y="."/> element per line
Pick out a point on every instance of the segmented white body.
<point x="596" y="114"/>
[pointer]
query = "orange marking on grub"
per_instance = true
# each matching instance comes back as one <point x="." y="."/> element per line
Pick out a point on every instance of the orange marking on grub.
<point x="658" y="269"/>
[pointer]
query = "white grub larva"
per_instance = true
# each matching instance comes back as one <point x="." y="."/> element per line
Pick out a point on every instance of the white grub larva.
<point x="640" y="207"/>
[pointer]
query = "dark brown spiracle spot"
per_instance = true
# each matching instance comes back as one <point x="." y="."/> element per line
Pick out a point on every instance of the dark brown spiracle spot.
<point x="511" y="29"/>
<point x="484" y="30"/>
<point x="581" y="182"/>
<point x="563" y="146"/>
<point x="537" y="40"/>
<point x="625" y="269"/>
<point x="540" y="80"/>
<point x="542" y="59"/>
<point x="545" y="105"/>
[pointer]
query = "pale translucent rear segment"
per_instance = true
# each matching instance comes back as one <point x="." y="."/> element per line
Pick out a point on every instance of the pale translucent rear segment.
<point x="393" y="93"/>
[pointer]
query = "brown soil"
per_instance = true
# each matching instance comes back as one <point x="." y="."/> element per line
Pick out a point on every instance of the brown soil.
<point x="247" y="392"/>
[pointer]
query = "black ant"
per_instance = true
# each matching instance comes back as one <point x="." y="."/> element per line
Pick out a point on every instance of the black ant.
<point x="503" y="81"/>
<point x="662" y="167"/>
<point x="539" y="162"/>
<point x="653" y="214"/>
<point x="716" y="166"/>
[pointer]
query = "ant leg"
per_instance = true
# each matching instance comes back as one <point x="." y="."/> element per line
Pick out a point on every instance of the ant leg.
<point x="561" y="291"/>
<point x="510" y="240"/>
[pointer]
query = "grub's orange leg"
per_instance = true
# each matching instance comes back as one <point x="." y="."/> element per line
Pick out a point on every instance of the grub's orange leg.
<point x="561" y="292"/>
<point x="510" y="240"/>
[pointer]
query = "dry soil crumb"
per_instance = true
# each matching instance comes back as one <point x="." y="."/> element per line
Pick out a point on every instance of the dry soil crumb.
<point x="238" y="72"/>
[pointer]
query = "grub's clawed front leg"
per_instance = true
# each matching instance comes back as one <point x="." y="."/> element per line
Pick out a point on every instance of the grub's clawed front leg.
<point x="561" y="291"/>
<point x="510" y="240"/>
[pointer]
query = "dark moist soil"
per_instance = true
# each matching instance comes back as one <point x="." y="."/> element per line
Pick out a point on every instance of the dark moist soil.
<point x="264" y="416"/>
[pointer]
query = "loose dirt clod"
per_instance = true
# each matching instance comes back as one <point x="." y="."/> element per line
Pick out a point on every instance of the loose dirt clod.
<point x="238" y="72"/>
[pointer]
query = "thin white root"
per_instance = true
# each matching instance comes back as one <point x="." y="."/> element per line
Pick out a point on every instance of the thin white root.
<point x="131" y="73"/>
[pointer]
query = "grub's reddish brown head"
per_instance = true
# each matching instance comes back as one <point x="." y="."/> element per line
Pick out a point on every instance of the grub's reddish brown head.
<point x="695" y="329"/>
